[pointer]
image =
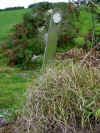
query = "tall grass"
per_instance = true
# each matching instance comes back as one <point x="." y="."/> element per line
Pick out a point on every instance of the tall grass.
<point x="64" y="95"/>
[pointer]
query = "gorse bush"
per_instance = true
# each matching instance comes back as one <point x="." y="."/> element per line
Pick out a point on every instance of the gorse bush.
<point x="28" y="37"/>
<point x="64" y="95"/>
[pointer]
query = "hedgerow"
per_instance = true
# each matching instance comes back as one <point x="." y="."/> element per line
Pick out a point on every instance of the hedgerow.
<point x="76" y="30"/>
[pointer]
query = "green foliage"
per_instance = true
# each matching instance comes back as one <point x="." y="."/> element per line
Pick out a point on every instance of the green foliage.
<point x="85" y="21"/>
<point x="12" y="91"/>
<point x="27" y="40"/>
<point x="77" y="27"/>
<point x="13" y="8"/>
<point x="76" y="30"/>
<point x="79" y="41"/>
<point x="13" y="85"/>
<point x="97" y="113"/>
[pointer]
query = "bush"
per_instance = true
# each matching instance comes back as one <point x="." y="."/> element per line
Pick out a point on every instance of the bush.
<point x="13" y="8"/>
<point x="27" y="40"/>
<point x="28" y="36"/>
<point x="33" y="5"/>
<point x="63" y="95"/>
<point x="79" y="41"/>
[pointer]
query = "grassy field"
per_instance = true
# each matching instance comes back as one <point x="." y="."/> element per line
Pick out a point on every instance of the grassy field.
<point x="8" y="19"/>
<point x="13" y="82"/>
<point x="13" y="85"/>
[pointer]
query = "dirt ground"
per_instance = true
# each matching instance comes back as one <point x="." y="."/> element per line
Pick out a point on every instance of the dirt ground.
<point x="58" y="129"/>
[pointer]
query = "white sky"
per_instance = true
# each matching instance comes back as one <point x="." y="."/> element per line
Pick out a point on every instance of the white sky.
<point x="25" y="3"/>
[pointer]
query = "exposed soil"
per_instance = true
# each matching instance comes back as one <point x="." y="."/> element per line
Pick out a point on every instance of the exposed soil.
<point x="69" y="129"/>
<point x="6" y="127"/>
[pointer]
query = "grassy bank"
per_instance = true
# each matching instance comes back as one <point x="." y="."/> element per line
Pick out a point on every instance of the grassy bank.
<point x="13" y="81"/>
<point x="8" y="19"/>
<point x="13" y="85"/>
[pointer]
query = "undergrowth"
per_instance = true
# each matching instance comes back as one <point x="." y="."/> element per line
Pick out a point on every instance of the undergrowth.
<point x="64" y="95"/>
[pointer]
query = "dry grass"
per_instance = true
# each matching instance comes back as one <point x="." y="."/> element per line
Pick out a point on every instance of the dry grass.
<point x="64" y="95"/>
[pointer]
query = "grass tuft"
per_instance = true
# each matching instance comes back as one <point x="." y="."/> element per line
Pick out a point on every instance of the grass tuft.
<point x="64" y="95"/>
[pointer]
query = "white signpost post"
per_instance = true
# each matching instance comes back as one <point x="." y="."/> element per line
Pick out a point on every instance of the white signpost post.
<point x="51" y="39"/>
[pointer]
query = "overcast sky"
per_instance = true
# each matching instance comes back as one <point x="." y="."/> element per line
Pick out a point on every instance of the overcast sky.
<point x="25" y="3"/>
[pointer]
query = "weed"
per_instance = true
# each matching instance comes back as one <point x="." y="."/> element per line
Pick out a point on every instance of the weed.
<point x="63" y="95"/>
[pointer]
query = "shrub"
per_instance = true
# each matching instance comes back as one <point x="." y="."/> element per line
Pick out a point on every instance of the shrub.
<point x="28" y="37"/>
<point x="13" y="8"/>
<point x="79" y="41"/>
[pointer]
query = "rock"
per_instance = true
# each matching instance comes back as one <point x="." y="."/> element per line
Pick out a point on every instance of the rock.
<point x="34" y="58"/>
<point x="3" y="122"/>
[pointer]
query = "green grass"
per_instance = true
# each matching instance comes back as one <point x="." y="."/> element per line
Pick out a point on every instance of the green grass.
<point x="8" y="19"/>
<point x="13" y="81"/>
<point x="12" y="88"/>
<point x="13" y="85"/>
